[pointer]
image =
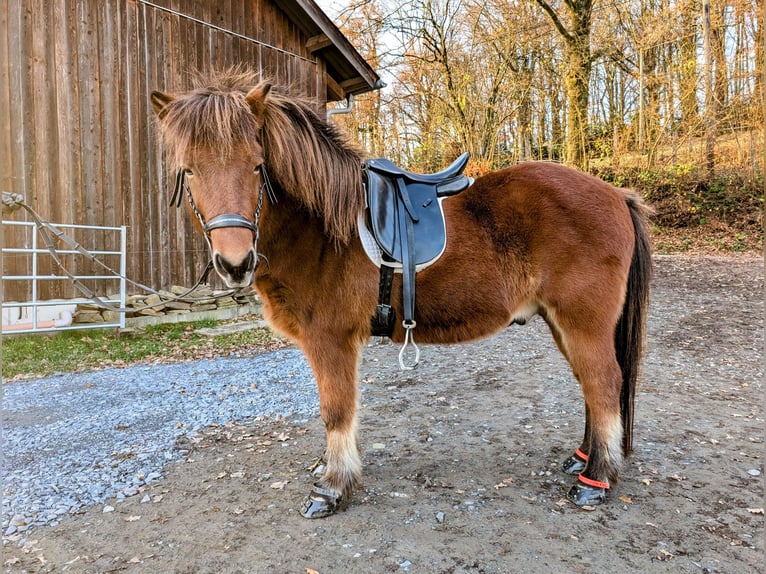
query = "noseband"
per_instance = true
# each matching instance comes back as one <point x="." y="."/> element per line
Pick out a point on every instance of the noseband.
<point x="225" y="219"/>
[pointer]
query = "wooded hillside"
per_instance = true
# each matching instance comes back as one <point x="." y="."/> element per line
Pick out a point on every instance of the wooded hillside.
<point x="638" y="91"/>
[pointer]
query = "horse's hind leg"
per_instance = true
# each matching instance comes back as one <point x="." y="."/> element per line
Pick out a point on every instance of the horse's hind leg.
<point x="576" y="462"/>
<point x="592" y="357"/>
<point x="335" y="368"/>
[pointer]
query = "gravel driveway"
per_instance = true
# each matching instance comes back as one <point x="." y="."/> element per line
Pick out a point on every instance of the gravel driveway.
<point x="75" y="440"/>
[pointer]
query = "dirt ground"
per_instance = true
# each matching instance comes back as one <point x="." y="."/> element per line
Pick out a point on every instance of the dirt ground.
<point x="462" y="464"/>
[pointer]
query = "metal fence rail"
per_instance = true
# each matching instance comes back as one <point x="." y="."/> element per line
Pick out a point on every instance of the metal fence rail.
<point x="28" y="319"/>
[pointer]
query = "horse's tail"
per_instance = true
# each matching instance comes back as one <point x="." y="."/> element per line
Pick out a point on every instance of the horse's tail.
<point x="631" y="328"/>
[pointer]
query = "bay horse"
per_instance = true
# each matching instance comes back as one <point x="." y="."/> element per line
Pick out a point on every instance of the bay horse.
<point x="535" y="238"/>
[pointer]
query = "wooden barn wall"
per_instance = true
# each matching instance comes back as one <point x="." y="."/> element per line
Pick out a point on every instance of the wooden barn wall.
<point x="80" y="143"/>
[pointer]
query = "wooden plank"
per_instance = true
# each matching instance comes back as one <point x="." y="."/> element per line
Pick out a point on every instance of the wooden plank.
<point x="109" y="91"/>
<point x="6" y="165"/>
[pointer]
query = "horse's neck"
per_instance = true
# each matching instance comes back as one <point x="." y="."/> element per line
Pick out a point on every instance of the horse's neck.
<point x="289" y="231"/>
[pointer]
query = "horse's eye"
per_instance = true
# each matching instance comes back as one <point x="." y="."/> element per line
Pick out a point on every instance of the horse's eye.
<point x="188" y="172"/>
<point x="257" y="169"/>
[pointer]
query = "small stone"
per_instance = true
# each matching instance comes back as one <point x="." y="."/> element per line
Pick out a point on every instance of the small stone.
<point x="108" y="508"/>
<point x="440" y="517"/>
<point x="754" y="472"/>
<point x="405" y="565"/>
<point x="146" y="499"/>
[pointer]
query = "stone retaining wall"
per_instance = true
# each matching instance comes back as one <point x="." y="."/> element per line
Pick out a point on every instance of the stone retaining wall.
<point x="202" y="303"/>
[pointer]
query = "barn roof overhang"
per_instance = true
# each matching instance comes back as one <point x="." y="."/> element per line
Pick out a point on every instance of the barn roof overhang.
<point x="348" y="72"/>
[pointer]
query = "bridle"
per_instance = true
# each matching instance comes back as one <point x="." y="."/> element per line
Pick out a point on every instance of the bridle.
<point x="225" y="219"/>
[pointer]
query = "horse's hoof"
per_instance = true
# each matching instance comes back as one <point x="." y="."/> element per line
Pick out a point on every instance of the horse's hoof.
<point x="584" y="495"/>
<point x="573" y="465"/>
<point x="320" y="503"/>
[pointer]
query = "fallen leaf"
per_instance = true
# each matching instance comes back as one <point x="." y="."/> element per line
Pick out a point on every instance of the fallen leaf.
<point x="279" y="485"/>
<point x="311" y="571"/>
<point x="755" y="510"/>
<point x="238" y="474"/>
<point x="664" y="555"/>
<point x="506" y="482"/>
<point x="132" y="518"/>
<point x="221" y="475"/>
<point x="626" y="499"/>
<point x="283" y="437"/>
<point x="646" y="481"/>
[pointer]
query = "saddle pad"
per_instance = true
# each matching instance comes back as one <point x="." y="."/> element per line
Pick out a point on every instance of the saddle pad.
<point x="375" y="253"/>
<point x="385" y="211"/>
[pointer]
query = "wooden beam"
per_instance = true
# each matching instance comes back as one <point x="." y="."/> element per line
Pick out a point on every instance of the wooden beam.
<point x="318" y="42"/>
<point x="335" y="92"/>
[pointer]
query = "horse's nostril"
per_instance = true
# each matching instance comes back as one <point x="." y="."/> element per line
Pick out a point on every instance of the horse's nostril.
<point x="221" y="263"/>
<point x="236" y="272"/>
<point x="249" y="263"/>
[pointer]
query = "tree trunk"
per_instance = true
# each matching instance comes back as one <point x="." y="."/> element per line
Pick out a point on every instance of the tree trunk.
<point x="577" y="75"/>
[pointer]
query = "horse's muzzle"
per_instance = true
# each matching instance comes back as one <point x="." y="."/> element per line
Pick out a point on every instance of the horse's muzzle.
<point x="238" y="274"/>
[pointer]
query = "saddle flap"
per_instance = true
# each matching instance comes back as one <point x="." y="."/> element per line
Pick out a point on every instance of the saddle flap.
<point x="386" y="208"/>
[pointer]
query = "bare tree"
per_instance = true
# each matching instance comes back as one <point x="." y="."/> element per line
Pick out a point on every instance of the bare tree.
<point x="577" y="75"/>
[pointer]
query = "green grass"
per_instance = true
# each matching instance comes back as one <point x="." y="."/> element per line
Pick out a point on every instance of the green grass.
<point x="70" y="351"/>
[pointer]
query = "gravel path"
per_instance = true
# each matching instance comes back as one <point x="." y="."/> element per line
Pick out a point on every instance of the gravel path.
<point x="65" y="444"/>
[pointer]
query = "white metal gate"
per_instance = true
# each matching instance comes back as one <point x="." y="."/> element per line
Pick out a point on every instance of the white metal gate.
<point x="34" y="315"/>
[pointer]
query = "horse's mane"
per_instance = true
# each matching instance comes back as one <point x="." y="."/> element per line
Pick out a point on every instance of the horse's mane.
<point x="313" y="161"/>
<point x="310" y="159"/>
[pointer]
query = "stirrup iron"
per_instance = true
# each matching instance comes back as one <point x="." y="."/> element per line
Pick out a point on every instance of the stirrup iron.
<point x="409" y="340"/>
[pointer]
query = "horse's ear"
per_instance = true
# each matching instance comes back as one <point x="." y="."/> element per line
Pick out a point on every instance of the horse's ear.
<point x="256" y="99"/>
<point x="159" y="101"/>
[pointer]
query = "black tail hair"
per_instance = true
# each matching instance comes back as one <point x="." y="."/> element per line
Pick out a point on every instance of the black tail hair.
<point x="630" y="334"/>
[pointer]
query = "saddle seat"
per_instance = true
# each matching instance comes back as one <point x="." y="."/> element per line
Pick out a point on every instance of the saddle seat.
<point x="387" y="167"/>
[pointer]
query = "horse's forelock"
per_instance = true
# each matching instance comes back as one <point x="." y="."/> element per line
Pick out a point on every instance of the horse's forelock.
<point x="209" y="120"/>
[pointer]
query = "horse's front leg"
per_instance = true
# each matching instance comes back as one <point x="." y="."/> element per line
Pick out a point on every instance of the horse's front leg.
<point x="335" y="364"/>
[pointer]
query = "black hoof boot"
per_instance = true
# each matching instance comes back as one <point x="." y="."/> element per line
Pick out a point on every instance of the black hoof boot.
<point x="574" y="465"/>
<point x="320" y="503"/>
<point x="584" y="495"/>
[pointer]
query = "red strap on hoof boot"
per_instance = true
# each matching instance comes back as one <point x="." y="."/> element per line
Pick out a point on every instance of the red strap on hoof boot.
<point x="593" y="483"/>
